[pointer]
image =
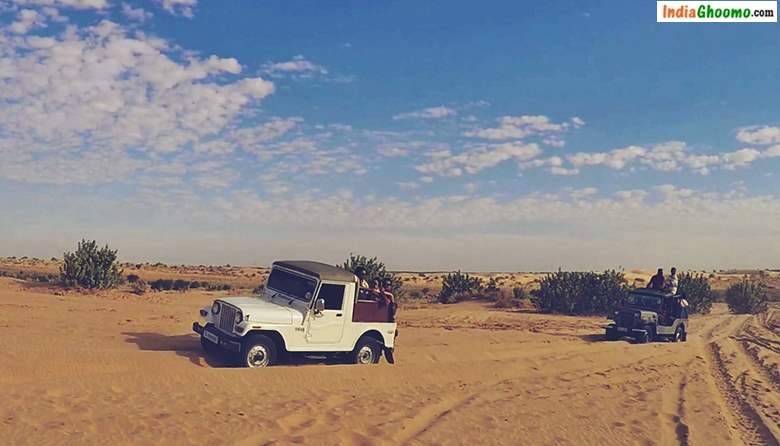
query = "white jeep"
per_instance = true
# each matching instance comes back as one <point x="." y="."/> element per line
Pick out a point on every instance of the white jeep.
<point x="306" y="307"/>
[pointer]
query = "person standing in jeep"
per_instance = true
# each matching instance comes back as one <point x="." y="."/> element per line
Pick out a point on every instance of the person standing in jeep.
<point x="671" y="282"/>
<point x="657" y="281"/>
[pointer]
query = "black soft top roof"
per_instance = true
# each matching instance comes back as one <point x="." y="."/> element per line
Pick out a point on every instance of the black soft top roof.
<point x="317" y="269"/>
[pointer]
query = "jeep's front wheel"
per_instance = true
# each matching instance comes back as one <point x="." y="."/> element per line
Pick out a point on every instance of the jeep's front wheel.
<point x="366" y="351"/>
<point x="258" y="351"/>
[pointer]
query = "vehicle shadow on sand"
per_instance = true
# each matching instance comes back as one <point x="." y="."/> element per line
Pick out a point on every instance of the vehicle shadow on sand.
<point x="187" y="346"/>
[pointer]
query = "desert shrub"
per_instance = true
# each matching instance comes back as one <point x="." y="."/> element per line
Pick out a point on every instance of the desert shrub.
<point x="139" y="286"/>
<point x="259" y="289"/>
<point x="195" y="284"/>
<point x="181" y="285"/>
<point x="492" y="286"/>
<point x="506" y="300"/>
<point x="132" y="278"/>
<point x="415" y="295"/>
<point x="697" y="291"/>
<point x="90" y="266"/>
<point x="219" y="287"/>
<point x="161" y="284"/>
<point x="580" y="292"/>
<point x="375" y="269"/>
<point x="519" y="293"/>
<point x="747" y="297"/>
<point x="458" y="286"/>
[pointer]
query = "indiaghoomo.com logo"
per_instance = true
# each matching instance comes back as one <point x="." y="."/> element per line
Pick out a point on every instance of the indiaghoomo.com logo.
<point x="716" y="11"/>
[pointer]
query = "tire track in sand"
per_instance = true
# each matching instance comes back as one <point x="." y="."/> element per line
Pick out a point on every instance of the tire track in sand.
<point x="750" y="424"/>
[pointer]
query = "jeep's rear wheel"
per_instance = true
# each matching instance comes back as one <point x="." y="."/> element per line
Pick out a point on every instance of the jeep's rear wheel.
<point x="366" y="351"/>
<point x="258" y="351"/>
<point x="611" y="334"/>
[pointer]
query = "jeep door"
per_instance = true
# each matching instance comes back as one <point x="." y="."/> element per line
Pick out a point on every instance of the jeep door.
<point x="327" y="327"/>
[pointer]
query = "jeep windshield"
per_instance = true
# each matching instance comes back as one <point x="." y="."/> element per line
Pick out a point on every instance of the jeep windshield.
<point x="644" y="301"/>
<point x="291" y="284"/>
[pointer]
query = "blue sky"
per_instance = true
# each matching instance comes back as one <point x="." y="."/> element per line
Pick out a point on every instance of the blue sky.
<point x="436" y="135"/>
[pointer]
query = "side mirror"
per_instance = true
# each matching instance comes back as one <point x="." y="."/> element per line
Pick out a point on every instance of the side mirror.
<point x="319" y="305"/>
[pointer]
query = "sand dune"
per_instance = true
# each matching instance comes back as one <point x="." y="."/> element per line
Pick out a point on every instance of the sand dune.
<point x="112" y="369"/>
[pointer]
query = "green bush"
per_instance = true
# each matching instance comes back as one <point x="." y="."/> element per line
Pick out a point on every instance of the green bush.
<point x="492" y="286"/>
<point x="747" y="297"/>
<point x="375" y="270"/>
<point x="580" y="292"/>
<point x="139" y="286"/>
<point x="506" y="300"/>
<point x="458" y="286"/>
<point x="181" y="285"/>
<point x="90" y="266"/>
<point x="697" y="291"/>
<point x="161" y="284"/>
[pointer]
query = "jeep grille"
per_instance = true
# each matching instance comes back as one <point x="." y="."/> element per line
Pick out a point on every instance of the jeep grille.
<point x="227" y="318"/>
<point x="625" y="319"/>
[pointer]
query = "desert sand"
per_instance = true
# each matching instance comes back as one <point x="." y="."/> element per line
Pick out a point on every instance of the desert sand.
<point x="115" y="368"/>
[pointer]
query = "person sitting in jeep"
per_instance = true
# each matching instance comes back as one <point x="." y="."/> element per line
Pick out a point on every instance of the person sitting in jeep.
<point x="360" y="272"/>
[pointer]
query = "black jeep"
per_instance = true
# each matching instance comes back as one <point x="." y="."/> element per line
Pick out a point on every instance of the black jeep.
<point x="649" y="315"/>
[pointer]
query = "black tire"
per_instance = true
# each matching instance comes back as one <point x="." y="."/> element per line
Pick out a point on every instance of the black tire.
<point x="643" y="338"/>
<point x="611" y="334"/>
<point x="367" y="351"/>
<point x="258" y="351"/>
<point x="684" y="335"/>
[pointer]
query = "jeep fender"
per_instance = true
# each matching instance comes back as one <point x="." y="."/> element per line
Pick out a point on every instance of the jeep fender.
<point x="273" y="334"/>
<point x="372" y="334"/>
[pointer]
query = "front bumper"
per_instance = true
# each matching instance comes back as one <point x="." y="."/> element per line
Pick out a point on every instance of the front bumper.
<point x="625" y="331"/>
<point x="211" y="334"/>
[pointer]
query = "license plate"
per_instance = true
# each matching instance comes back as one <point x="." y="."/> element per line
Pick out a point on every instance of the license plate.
<point x="211" y="337"/>
<point x="622" y="329"/>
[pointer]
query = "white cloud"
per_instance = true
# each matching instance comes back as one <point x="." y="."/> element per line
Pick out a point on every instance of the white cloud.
<point x="616" y="159"/>
<point x="76" y="4"/>
<point x="740" y="158"/>
<point x="636" y="195"/>
<point x="562" y="171"/>
<point x="578" y="194"/>
<point x="408" y="185"/>
<point x="137" y="14"/>
<point x="298" y="67"/>
<point x="26" y="20"/>
<point x="439" y="112"/>
<point x="392" y="151"/>
<point x="98" y="90"/>
<point x="759" y="134"/>
<point x="518" y="127"/>
<point x="772" y="152"/>
<point x="183" y="7"/>
<point x="479" y="158"/>
<point x="666" y="157"/>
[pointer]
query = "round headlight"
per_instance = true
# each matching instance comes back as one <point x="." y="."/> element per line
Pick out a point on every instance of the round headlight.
<point x="239" y="317"/>
<point x="215" y="308"/>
